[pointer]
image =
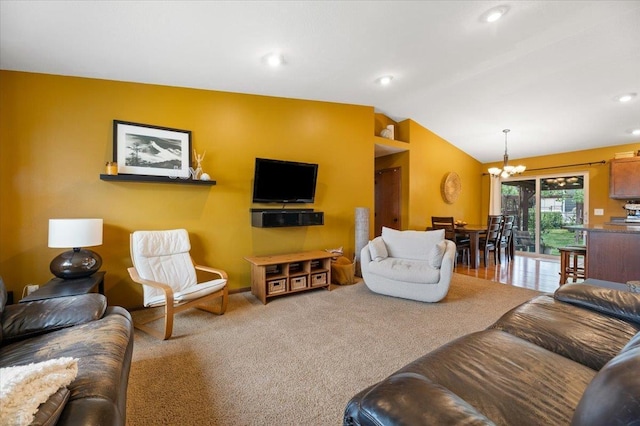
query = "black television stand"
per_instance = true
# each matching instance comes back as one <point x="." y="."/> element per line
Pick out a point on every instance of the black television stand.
<point x="285" y="217"/>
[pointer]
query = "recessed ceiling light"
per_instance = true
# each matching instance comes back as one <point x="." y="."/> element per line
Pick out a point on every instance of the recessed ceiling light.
<point x="384" y="80"/>
<point x="625" y="97"/>
<point x="635" y="132"/>
<point x="273" y="59"/>
<point x="495" y="13"/>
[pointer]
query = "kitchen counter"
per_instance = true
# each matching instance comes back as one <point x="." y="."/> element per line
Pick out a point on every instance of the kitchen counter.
<point x="621" y="227"/>
<point x="613" y="251"/>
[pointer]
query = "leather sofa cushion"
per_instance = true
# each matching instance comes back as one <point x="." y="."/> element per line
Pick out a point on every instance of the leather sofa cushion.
<point x="612" y="396"/>
<point x="546" y="322"/>
<point x="49" y="412"/>
<point x="25" y="320"/>
<point x="619" y="303"/>
<point x="412" y="271"/>
<point x="386" y="403"/>
<point x="3" y="295"/>
<point x="103" y="348"/>
<point x="504" y="378"/>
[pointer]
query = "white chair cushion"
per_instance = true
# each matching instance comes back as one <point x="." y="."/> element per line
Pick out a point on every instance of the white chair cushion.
<point x="161" y="243"/>
<point x="190" y="293"/>
<point x="160" y="256"/>
<point x="378" y="249"/>
<point x="416" y="245"/>
<point x="413" y="271"/>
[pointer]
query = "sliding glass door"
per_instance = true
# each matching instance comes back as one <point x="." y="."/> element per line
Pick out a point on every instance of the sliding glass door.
<point x="519" y="200"/>
<point x="543" y="206"/>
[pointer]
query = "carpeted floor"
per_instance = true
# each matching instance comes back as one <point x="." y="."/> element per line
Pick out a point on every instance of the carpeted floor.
<point x="300" y="358"/>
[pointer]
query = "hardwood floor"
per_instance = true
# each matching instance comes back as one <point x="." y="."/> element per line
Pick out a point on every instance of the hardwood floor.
<point x="536" y="273"/>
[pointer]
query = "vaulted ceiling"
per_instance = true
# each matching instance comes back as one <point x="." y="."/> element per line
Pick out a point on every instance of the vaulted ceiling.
<point x="548" y="70"/>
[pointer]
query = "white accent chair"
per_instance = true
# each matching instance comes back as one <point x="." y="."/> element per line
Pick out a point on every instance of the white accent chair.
<point x="416" y="265"/>
<point x="163" y="265"/>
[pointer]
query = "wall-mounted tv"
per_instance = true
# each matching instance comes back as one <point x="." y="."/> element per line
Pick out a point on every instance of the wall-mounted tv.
<point x="277" y="181"/>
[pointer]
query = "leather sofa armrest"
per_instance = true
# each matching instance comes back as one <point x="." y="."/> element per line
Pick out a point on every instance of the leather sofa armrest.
<point x="25" y="320"/>
<point x="612" y="396"/>
<point x="410" y="399"/>
<point x="617" y="303"/>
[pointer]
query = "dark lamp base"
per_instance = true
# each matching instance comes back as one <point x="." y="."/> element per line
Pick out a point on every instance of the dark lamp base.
<point x="76" y="263"/>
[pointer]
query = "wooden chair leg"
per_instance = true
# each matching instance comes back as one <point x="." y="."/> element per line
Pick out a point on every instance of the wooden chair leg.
<point x="168" y="312"/>
<point x="168" y="321"/>
<point x="224" y="295"/>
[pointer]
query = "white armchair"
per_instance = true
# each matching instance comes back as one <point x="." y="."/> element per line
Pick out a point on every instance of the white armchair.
<point x="163" y="265"/>
<point x="415" y="265"/>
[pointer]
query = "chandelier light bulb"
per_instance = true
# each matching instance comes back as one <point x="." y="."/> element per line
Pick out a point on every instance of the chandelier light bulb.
<point x="506" y="170"/>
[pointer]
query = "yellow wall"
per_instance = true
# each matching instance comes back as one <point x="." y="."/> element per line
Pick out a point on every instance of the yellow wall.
<point x="424" y="165"/>
<point x="598" y="176"/>
<point x="431" y="159"/>
<point x="56" y="135"/>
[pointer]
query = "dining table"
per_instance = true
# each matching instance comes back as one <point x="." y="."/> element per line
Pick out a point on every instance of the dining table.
<point x="473" y="232"/>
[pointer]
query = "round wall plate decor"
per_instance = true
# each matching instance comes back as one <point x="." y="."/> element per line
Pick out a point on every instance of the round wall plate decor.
<point x="451" y="187"/>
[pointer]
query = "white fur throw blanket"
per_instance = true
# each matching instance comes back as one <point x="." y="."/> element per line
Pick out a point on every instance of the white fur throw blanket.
<point x="23" y="388"/>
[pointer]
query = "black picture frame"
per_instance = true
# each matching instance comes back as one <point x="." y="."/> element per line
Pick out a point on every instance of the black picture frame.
<point x="148" y="150"/>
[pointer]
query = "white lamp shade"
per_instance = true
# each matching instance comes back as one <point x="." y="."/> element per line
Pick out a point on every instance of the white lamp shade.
<point x="75" y="233"/>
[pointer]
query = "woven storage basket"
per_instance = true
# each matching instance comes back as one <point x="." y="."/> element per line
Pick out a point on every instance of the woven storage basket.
<point x="343" y="271"/>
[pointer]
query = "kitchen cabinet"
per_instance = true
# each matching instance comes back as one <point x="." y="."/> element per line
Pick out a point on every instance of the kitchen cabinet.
<point x="624" y="179"/>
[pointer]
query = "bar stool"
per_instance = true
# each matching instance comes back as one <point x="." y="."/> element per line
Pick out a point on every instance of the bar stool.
<point x="570" y="266"/>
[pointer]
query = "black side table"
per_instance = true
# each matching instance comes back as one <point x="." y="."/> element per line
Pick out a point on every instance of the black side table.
<point x="57" y="287"/>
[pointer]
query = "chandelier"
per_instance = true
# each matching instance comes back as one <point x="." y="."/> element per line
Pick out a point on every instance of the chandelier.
<point x="506" y="169"/>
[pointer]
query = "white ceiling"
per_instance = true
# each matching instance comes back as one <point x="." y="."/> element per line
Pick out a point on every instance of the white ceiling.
<point x="548" y="70"/>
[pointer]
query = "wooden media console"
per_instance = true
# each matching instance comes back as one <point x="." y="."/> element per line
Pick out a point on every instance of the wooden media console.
<point x="289" y="273"/>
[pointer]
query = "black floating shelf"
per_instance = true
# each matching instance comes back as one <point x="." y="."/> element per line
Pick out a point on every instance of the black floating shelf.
<point x="157" y="179"/>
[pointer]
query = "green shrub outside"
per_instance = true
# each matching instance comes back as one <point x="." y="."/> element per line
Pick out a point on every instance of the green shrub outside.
<point x="551" y="232"/>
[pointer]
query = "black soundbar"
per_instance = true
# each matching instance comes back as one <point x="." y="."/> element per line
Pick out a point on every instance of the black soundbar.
<point x="279" y="218"/>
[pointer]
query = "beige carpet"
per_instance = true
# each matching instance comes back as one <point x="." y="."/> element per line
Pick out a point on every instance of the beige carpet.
<point x="300" y="358"/>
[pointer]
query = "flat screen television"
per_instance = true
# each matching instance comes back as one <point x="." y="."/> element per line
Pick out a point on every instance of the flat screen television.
<point x="277" y="181"/>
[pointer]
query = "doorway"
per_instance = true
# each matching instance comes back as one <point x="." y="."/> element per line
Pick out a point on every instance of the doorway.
<point x="543" y="206"/>
<point x="388" y="190"/>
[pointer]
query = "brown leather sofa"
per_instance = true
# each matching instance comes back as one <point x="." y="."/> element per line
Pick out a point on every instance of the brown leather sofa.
<point x="568" y="358"/>
<point x="83" y="327"/>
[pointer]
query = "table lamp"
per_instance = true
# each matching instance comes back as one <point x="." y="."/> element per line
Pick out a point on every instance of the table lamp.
<point x="75" y="234"/>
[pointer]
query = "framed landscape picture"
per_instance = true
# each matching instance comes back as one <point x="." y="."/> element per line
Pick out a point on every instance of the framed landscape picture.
<point x="142" y="149"/>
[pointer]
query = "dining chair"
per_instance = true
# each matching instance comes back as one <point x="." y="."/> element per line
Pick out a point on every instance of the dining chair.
<point x="506" y="237"/>
<point x="491" y="241"/>
<point x="523" y="240"/>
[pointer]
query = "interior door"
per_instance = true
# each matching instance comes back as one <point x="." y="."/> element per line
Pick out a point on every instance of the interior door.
<point x="388" y="190"/>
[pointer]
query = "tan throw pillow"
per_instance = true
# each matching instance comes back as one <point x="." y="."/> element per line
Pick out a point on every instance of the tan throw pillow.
<point x="378" y="249"/>
<point x="436" y="255"/>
